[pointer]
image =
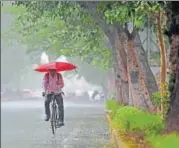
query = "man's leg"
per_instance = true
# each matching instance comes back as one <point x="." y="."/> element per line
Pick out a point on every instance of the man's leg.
<point x="47" y="107"/>
<point x="59" y="100"/>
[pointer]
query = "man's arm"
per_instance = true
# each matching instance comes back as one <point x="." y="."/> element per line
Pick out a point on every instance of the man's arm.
<point x="60" y="81"/>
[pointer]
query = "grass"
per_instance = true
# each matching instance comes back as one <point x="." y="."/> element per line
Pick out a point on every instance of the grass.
<point x="165" y="141"/>
<point x="132" y="120"/>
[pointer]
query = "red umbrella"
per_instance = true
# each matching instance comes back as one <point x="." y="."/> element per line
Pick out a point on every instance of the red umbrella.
<point x="59" y="66"/>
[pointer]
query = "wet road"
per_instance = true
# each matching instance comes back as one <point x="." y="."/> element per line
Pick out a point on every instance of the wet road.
<point x="23" y="126"/>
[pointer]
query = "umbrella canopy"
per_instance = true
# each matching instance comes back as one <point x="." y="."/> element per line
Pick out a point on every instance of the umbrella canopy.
<point x="58" y="66"/>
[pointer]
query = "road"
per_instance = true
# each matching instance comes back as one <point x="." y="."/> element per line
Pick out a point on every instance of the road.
<point x="23" y="126"/>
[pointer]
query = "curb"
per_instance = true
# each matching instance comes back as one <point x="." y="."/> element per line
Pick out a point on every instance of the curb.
<point x="115" y="138"/>
<point x="133" y="140"/>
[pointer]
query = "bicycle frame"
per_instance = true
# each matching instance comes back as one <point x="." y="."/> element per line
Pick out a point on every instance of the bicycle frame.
<point x="53" y="102"/>
<point x="54" y="112"/>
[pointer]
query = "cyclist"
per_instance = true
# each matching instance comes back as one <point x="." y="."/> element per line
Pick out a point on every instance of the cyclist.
<point x="53" y="82"/>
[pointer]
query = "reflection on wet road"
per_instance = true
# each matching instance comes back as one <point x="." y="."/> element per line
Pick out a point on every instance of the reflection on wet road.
<point x="23" y="126"/>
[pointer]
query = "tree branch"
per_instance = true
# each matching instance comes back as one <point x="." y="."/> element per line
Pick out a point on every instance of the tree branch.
<point x="91" y="8"/>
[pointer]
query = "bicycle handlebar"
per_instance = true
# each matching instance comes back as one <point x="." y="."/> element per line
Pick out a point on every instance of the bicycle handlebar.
<point x="52" y="93"/>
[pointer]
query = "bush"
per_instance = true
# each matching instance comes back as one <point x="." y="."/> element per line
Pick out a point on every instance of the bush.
<point x="135" y="120"/>
<point x="156" y="99"/>
<point x="167" y="141"/>
<point x="112" y="106"/>
<point x="130" y="119"/>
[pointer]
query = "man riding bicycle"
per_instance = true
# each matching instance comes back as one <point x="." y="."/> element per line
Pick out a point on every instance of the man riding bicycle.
<point x="53" y="83"/>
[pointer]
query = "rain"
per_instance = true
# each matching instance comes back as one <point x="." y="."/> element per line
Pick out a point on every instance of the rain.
<point x="22" y="104"/>
<point x="94" y="79"/>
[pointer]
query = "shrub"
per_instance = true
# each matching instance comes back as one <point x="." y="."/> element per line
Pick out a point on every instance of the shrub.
<point x="130" y="119"/>
<point x="135" y="120"/>
<point x="156" y="99"/>
<point x="167" y="141"/>
<point x="112" y="106"/>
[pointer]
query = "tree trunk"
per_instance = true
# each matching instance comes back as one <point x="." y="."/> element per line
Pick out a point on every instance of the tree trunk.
<point x="149" y="79"/>
<point x="140" y="75"/>
<point x="116" y="38"/>
<point x="172" y="119"/>
<point x="163" y="60"/>
<point x="173" y="114"/>
<point x="133" y="70"/>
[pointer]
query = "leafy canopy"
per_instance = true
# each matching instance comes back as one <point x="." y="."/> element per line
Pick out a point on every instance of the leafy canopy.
<point x="135" y="12"/>
<point x="62" y="31"/>
<point x="69" y="28"/>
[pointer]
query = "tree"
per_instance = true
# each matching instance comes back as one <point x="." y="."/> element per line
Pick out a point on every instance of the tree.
<point x="139" y="80"/>
<point x="130" y="62"/>
<point x="161" y="20"/>
<point x="14" y="59"/>
<point x="173" y="34"/>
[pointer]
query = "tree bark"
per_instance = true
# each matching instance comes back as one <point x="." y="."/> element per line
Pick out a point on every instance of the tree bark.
<point x="141" y="79"/>
<point x="163" y="60"/>
<point x="149" y="79"/>
<point x="172" y="118"/>
<point x="116" y="38"/>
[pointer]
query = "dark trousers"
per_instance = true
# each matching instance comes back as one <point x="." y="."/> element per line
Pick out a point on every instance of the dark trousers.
<point x="59" y="100"/>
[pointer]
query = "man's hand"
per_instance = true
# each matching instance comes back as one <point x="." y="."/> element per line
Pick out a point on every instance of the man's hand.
<point x="43" y="94"/>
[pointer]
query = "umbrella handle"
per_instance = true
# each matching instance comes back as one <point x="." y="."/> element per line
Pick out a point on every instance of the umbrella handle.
<point x="75" y="70"/>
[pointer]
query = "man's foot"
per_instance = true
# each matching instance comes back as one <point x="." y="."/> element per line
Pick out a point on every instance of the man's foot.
<point x="61" y="124"/>
<point x="47" y="118"/>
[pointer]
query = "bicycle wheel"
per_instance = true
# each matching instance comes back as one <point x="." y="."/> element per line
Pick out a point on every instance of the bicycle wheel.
<point x="53" y="120"/>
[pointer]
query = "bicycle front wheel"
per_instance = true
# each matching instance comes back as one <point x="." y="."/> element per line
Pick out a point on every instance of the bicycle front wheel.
<point x="53" y="120"/>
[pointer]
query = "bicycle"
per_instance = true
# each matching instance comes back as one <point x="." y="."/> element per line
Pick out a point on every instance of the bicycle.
<point x="54" y="119"/>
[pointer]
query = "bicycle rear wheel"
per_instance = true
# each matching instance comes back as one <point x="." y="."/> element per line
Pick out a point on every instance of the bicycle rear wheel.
<point x="53" y="120"/>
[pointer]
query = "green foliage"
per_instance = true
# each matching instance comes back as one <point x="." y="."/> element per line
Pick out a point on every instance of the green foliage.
<point x="166" y="100"/>
<point x="130" y="119"/>
<point x="62" y="28"/>
<point x="67" y="28"/>
<point x="166" y="141"/>
<point x="136" y="12"/>
<point x="112" y="106"/>
<point x="135" y="120"/>
<point x="156" y="99"/>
